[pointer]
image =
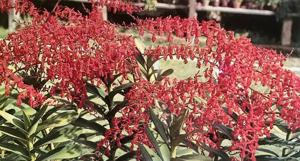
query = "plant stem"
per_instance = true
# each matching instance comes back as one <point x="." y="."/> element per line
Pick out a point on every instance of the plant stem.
<point x="30" y="148"/>
<point x="173" y="151"/>
<point x="2" y="153"/>
<point x="286" y="139"/>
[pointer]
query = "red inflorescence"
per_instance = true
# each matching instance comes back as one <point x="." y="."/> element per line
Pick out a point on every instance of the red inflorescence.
<point x="69" y="49"/>
<point x="234" y="68"/>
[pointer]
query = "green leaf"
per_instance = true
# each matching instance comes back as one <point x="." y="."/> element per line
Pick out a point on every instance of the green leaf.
<point x="19" y="150"/>
<point x="13" y="120"/>
<point x="111" y="114"/>
<point x="32" y="130"/>
<point x="127" y="156"/>
<point x="295" y="136"/>
<point x="13" y="156"/>
<point x="35" y="121"/>
<point x="150" y="62"/>
<point x="26" y="119"/>
<point x="166" y="154"/>
<point x="282" y="125"/>
<point x="159" y="126"/>
<point x="165" y="74"/>
<point x="274" y="140"/>
<point x="225" y="130"/>
<point x="191" y="145"/>
<point x="64" y="152"/>
<point x="6" y="101"/>
<point x="15" y="133"/>
<point x="296" y="155"/>
<point x="49" y="111"/>
<point x="58" y="120"/>
<point x="154" y="142"/>
<point x="99" y="108"/>
<point x="177" y="125"/>
<point x="94" y="90"/>
<point x="87" y="143"/>
<point x="59" y="135"/>
<point x="141" y="60"/>
<point x="146" y="156"/>
<point x="216" y="152"/>
<point x="268" y="151"/>
<point x="193" y="157"/>
<point x="81" y="122"/>
<point x="120" y="89"/>
<point x="48" y="139"/>
<point x="266" y="158"/>
<point x="25" y="108"/>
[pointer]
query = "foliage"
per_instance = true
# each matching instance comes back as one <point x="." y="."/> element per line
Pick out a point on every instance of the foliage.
<point x="43" y="134"/>
<point x="3" y="32"/>
<point x="225" y="109"/>
<point x="283" y="144"/>
<point x="169" y="142"/>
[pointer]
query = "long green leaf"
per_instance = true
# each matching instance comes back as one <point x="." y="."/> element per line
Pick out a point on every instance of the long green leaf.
<point x="275" y="140"/>
<point x="146" y="156"/>
<point x="225" y="130"/>
<point x="25" y="108"/>
<point x="159" y="126"/>
<point x="58" y="120"/>
<point x="59" y="135"/>
<point x="35" y="121"/>
<point x="282" y="125"/>
<point x="87" y="143"/>
<point x="268" y="151"/>
<point x="94" y="90"/>
<point x="165" y="74"/>
<point x="6" y="101"/>
<point x="154" y="142"/>
<point x="15" y="133"/>
<point x="111" y="114"/>
<point x="127" y="156"/>
<point x="13" y="156"/>
<point x="296" y="155"/>
<point x="49" y="111"/>
<point x="13" y="120"/>
<point x="150" y="62"/>
<point x="19" y="150"/>
<point x="81" y="122"/>
<point x="141" y="61"/>
<point x="216" y="152"/>
<point x="48" y="139"/>
<point x="266" y="158"/>
<point x="193" y="157"/>
<point x="64" y="152"/>
<point x="120" y="89"/>
<point x="26" y="119"/>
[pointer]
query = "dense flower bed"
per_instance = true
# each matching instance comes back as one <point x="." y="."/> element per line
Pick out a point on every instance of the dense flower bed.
<point x="64" y="53"/>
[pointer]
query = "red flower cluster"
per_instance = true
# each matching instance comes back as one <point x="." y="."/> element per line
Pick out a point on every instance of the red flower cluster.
<point x="68" y="49"/>
<point x="21" y="6"/>
<point x="241" y="80"/>
<point x="12" y="81"/>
